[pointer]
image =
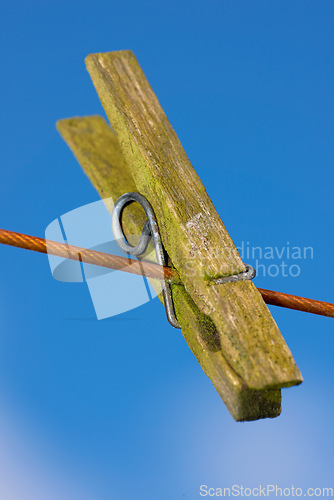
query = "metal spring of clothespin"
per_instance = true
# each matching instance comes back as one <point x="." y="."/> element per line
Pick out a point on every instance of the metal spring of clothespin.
<point x="151" y="231"/>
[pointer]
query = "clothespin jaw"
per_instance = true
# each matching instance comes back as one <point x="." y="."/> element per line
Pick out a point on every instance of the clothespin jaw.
<point x="227" y="326"/>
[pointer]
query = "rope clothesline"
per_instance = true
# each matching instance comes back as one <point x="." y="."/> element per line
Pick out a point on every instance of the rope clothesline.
<point x="148" y="269"/>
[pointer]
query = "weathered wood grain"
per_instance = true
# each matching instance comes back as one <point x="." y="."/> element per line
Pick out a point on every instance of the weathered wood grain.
<point x="97" y="150"/>
<point x="192" y="232"/>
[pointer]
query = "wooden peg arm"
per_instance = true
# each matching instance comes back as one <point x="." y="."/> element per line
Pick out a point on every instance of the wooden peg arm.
<point x="97" y="150"/>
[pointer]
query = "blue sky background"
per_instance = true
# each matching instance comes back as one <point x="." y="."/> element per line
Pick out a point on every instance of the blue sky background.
<point x="119" y="409"/>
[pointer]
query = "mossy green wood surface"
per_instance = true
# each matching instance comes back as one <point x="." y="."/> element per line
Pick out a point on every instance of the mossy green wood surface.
<point x="192" y="232"/>
<point x="97" y="150"/>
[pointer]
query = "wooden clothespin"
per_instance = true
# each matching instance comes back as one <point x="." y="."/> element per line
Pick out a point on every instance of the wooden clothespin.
<point x="228" y="327"/>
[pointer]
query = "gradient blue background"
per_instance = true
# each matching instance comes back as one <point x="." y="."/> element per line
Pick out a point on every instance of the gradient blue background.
<point x="119" y="409"/>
